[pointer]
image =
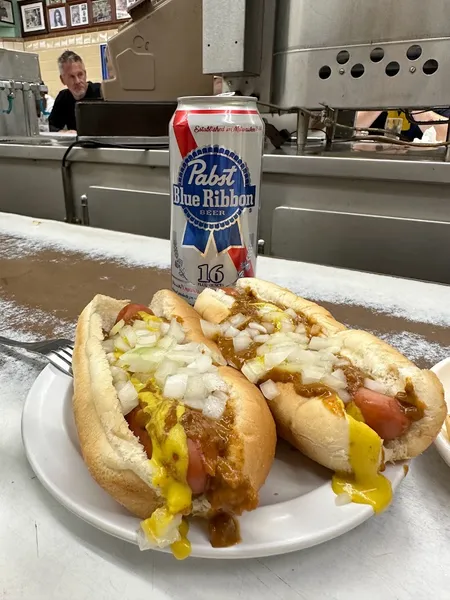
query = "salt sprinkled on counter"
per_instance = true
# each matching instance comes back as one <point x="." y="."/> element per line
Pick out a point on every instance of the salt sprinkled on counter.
<point x="18" y="368"/>
<point x="39" y="234"/>
<point x="413" y="300"/>
<point x="415" y="346"/>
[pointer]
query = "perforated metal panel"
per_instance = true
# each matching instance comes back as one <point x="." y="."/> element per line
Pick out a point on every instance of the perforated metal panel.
<point x="405" y="247"/>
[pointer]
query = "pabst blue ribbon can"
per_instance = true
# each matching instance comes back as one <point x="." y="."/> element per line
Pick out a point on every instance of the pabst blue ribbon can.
<point x="216" y="146"/>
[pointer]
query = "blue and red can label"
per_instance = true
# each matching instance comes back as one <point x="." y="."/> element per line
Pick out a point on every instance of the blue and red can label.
<point x="215" y="168"/>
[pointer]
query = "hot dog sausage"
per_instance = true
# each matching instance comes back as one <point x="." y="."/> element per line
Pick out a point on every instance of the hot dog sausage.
<point x="138" y="428"/>
<point x="130" y="310"/>
<point x="382" y="413"/>
<point x="196" y="474"/>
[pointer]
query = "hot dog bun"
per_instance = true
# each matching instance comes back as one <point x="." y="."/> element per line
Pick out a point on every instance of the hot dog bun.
<point x="309" y="424"/>
<point x="113" y="454"/>
<point x="253" y="447"/>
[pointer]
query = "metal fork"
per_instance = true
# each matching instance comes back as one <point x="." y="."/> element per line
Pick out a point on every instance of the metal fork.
<point x="58" y="352"/>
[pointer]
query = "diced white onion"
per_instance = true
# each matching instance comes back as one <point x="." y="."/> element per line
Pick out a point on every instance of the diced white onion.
<point x="128" y="334"/>
<point x="195" y="389"/>
<point x="274" y="316"/>
<point x="254" y="369"/>
<point x="375" y="386"/>
<point x="142" y="332"/>
<point x="341" y="362"/>
<point x="344" y="396"/>
<point x="238" y="320"/>
<point x="197" y="403"/>
<point x="221" y="395"/>
<point x="276" y="357"/>
<point x="190" y="347"/>
<point x="176" y="331"/>
<point x="175" y="386"/>
<point x="262" y="339"/>
<point x="318" y="343"/>
<point x="280" y="338"/>
<point x="241" y="342"/>
<point x="269" y="389"/>
<point x="334" y="382"/>
<point x="326" y="356"/>
<point x="339" y="373"/>
<point x="108" y="345"/>
<point x="118" y="374"/>
<point x="214" y="407"/>
<point x="311" y="378"/>
<point x="300" y="338"/>
<point x="258" y="327"/>
<point x="269" y="327"/>
<point x="139" y="325"/>
<point x="300" y="328"/>
<point x="166" y="368"/>
<point x="166" y="342"/>
<point x="142" y="360"/>
<point x="164" y="328"/>
<point x="201" y="364"/>
<point x="117" y="327"/>
<point x="342" y="499"/>
<point x="210" y="330"/>
<point x="252" y="332"/>
<point x="183" y="354"/>
<point x="303" y="356"/>
<point x="147" y="340"/>
<point x="214" y="383"/>
<point x="231" y="332"/>
<point x="128" y="397"/>
<point x="291" y="312"/>
<point x="121" y="344"/>
<point x="287" y="326"/>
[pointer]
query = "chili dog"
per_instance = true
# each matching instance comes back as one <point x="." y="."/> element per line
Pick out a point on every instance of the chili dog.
<point x="343" y="397"/>
<point x="164" y="426"/>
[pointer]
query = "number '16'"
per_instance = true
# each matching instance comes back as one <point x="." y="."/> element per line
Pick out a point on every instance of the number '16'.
<point x="211" y="275"/>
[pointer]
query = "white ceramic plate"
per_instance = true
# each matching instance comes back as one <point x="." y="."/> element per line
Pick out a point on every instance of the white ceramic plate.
<point x="297" y="505"/>
<point x="442" y="370"/>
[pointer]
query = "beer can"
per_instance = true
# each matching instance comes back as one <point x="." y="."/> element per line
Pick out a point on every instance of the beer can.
<point x="216" y="145"/>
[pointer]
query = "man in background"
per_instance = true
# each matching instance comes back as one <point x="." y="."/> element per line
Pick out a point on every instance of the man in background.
<point x="72" y="73"/>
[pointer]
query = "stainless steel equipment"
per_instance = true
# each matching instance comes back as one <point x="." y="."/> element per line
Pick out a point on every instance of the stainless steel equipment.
<point x="387" y="216"/>
<point x="157" y="55"/>
<point x="337" y="53"/>
<point x="20" y="89"/>
<point x="342" y="54"/>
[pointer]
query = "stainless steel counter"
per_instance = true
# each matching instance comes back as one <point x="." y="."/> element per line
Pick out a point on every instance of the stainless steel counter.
<point x="48" y="272"/>
<point x="388" y="215"/>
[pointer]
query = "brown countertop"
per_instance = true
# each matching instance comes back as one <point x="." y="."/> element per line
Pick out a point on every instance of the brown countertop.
<point x="39" y="275"/>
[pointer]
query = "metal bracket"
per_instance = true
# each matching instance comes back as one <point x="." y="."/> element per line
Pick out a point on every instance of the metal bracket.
<point x="84" y="210"/>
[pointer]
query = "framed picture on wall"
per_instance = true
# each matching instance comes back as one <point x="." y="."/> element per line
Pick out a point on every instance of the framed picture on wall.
<point x="57" y="18"/>
<point x="79" y="14"/>
<point x="101" y="11"/>
<point x="6" y="12"/>
<point x="50" y="2"/>
<point x="121" y="10"/>
<point x="33" y="18"/>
